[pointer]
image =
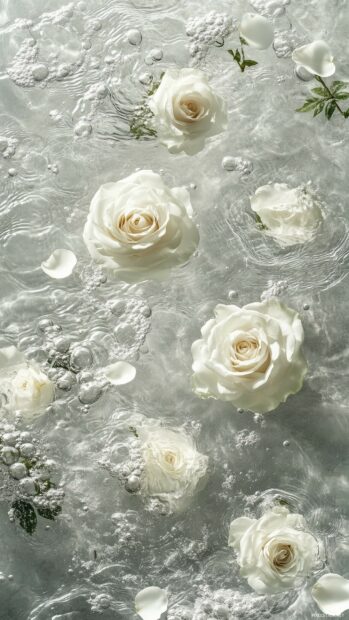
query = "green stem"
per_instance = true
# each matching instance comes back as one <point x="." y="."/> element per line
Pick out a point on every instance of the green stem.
<point x="330" y="94"/>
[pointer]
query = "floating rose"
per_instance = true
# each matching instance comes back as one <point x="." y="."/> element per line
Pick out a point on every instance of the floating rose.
<point x="275" y="552"/>
<point x="173" y="467"/>
<point x="186" y="110"/>
<point x="256" y="30"/>
<point x="315" y="58"/>
<point x="250" y="356"/>
<point x="151" y="603"/>
<point x="25" y="387"/>
<point x="289" y="215"/>
<point x="139" y="228"/>
<point x="331" y="594"/>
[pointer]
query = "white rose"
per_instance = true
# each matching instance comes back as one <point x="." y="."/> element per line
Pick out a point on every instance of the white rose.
<point x="315" y="58"/>
<point x="25" y="386"/>
<point x="186" y="110"/>
<point x="139" y="228"/>
<point x="291" y="215"/>
<point x="250" y="356"/>
<point x="173" y="467"/>
<point x="275" y="552"/>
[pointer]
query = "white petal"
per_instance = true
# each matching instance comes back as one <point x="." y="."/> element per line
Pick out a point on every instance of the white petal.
<point x="10" y="356"/>
<point x="120" y="373"/>
<point x="151" y="603"/>
<point x="316" y="58"/>
<point x="331" y="593"/>
<point x="237" y="529"/>
<point x="60" y="264"/>
<point x="256" y="30"/>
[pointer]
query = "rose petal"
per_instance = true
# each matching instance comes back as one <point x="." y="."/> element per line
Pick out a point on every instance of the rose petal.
<point x="151" y="603"/>
<point x="120" y="373"/>
<point x="331" y="594"/>
<point x="316" y="58"/>
<point x="256" y="30"/>
<point x="60" y="264"/>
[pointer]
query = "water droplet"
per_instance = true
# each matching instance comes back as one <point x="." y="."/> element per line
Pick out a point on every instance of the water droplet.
<point x="233" y="294"/>
<point x="89" y="393"/>
<point x="9" y="455"/>
<point x="18" y="471"/>
<point x="156" y="53"/>
<point x="286" y="443"/>
<point x="132" y="484"/>
<point x="80" y="358"/>
<point x="306" y="307"/>
<point x="39" y="72"/>
<point x="134" y="36"/>
<point x="12" y="172"/>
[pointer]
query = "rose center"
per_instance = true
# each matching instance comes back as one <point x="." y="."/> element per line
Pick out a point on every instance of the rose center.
<point x="137" y="223"/>
<point x="170" y="458"/>
<point x="281" y="555"/>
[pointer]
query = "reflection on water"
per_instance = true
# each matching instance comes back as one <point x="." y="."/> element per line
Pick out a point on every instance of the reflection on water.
<point x="72" y="78"/>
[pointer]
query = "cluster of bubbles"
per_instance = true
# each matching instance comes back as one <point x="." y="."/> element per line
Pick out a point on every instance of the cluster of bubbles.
<point x="212" y="29"/>
<point x="274" y="289"/>
<point x="8" y="147"/>
<point x="30" y="469"/>
<point x="243" y="167"/>
<point x="129" y="471"/>
<point x="133" y="316"/>
<point x="270" y="8"/>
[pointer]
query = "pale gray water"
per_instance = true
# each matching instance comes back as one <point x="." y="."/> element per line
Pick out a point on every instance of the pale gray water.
<point x="67" y="132"/>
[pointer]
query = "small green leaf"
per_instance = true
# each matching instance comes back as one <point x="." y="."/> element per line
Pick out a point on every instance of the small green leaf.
<point x="249" y="63"/>
<point x="319" y="90"/>
<point x="319" y="108"/>
<point x="330" y="108"/>
<point x="309" y="104"/>
<point x="243" y="41"/>
<point x="342" y="96"/>
<point x="49" y="513"/>
<point x="232" y="53"/>
<point x="346" y="113"/>
<point x="25" y="515"/>
<point x="339" y="83"/>
<point x="237" y="56"/>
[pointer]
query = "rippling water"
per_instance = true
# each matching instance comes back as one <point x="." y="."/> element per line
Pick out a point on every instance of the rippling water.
<point x="65" y="132"/>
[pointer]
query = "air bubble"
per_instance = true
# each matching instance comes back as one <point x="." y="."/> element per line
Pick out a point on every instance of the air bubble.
<point x="18" y="471"/>
<point x="83" y="129"/>
<point x="39" y="72"/>
<point x="156" y="53"/>
<point x="134" y="36"/>
<point x="80" y="358"/>
<point x="9" y="455"/>
<point x="89" y="393"/>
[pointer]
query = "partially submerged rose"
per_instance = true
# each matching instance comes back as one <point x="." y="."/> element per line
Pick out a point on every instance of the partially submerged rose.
<point x="250" y="356"/>
<point x="23" y="384"/>
<point x="275" y="552"/>
<point x="139" y="228"/>
<point x="290" y="215"/>
<point x="316" y="58"/>
<point x="186" y="110"/>
<point x="173" y="468"/>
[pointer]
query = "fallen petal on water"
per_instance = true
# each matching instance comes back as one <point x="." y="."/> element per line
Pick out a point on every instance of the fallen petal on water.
<point x="60" y="264"/>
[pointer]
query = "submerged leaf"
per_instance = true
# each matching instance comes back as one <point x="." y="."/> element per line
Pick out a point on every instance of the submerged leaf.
<point x="24" y="513"/>
<point x="330" y="108"/>
<point x="49" y="513"/>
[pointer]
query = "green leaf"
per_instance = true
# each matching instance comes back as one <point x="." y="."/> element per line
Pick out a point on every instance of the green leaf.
<point x="237" y="56"/>
<point x="339" y="83"/>
<point x="309" y="104"/>
<point x="319" y="90"/>
<point x="320" y="106"/>
<point x="346" y="113"/>
<point x="330" y="108"/>
<point x="243" y="41"/>
<point x="249" y="63"/>
<point x="25" y="515"/>
<point x="342" y="96"/>
<point x="232" y="53"/>
<point x="49" y="513"/>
